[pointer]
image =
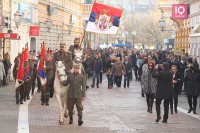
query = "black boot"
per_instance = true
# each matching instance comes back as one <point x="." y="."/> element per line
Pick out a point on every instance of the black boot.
<point x="21" y="102"/>
<point x="80" y="121"/>
<point x="47" y="102"/>
<point x="42" y="100"/>
<point x="190" y="110"/>
<point x="171" y="110"/>
<point x="175" y="110"/>
<point x="71" y="120"/>
<point x="158" y="118"/>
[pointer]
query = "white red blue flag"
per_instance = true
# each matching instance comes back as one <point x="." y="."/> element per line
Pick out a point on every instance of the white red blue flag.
<point x="41" y="70"/>
<point x="104" y="19"/>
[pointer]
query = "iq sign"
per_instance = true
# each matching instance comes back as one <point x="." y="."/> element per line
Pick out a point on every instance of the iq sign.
<point x="179" y="11"/>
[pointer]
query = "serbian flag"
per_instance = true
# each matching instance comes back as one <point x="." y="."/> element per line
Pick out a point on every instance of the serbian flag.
<point x="20" y="74"/>
<point x="26" y="52"/>
<point x="104" y="19"/>
<point x="41" y="71"/>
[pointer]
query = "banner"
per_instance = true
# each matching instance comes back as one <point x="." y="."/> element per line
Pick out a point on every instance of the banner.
<point x="34" y="31"/>
<point x="104" y="19"/>
<point x="179" y="11"/>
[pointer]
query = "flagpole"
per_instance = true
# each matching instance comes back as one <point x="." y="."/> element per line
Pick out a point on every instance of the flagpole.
<point x="85" y="31"/>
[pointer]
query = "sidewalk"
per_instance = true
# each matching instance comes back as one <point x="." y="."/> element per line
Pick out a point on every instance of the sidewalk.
<point x="9" y="110"/>
<point x="117" y="110"/>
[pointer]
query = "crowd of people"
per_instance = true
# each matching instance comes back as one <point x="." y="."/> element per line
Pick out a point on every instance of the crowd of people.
<point x="162" y="74"/>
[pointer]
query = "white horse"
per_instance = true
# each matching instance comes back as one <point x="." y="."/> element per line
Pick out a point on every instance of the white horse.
<point x="61" y="90"/>
<point x="78" y="53"/>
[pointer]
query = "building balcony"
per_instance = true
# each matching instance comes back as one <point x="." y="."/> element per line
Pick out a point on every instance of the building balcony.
<point x="86" y="10"/>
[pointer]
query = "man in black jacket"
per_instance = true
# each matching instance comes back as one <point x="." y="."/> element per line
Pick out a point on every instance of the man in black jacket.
<point x="128" y="68"/>
<point x="164" y="90"/>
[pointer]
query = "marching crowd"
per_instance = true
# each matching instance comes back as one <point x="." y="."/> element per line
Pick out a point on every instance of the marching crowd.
<point x="162" y="74"/>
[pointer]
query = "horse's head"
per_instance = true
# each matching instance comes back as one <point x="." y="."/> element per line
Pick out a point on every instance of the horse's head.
<point x="78" y="55"/>
<point x="60" y="71"/>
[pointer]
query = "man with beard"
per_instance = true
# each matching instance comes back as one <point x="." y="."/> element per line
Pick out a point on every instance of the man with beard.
<point x="66" y="57"/>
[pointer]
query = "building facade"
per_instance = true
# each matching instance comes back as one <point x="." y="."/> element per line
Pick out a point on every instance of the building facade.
<point x="4" y="25"/>
<point x="194" y="38"/>
<point x="29" y="11"/>
<point x="181" y="27"/>
<point x="60" y="21"/>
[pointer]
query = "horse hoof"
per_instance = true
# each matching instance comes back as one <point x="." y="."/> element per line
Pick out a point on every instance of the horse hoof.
<point x="61" y="122"/>
<point x="65" y="115"/>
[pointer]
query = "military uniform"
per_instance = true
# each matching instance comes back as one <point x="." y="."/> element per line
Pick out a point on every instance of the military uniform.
<point x="24" y="85"/>
<point x="34" y="76"/>
<point x="49" y="65"/>
<point x="64" y="56"/>
<point x="76" y="91"/>
<point x="29" y="78"/>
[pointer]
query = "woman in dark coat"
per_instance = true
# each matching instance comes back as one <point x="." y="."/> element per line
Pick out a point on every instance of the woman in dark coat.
<point x="164" y="90"/>
<point x="192" y="80"/>
<point x="177" y="85"/>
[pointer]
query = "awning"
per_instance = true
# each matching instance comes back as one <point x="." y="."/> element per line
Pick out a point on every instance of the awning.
<point x="9" y="35"/>
<point x="195" y="35"/>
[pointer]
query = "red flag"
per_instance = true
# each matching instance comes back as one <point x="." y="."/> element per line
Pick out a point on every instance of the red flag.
<point x="26" y="53"/>
<point x="20" y="74"/>
<point x="41" y="72"/>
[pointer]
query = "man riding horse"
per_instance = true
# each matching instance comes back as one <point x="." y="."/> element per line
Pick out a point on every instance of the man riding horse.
<point x="66" y="57"/>
<point x="78" y="56"/>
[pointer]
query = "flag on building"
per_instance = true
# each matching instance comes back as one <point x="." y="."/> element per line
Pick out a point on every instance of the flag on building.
<point x="104" y="19"/>
<point x="20" y="74"/>
<point x="41" y="71"/>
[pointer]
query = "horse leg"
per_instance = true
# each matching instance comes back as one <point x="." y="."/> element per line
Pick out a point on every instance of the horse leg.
<point x="61" y="119"/>
<point x="65" y="108"/>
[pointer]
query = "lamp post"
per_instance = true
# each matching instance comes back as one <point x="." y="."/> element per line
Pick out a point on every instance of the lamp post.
<point x="119" y="35"/>
<point x="133" y="34"/>
<point x="126" y="33"/>
<point x="70" y="28"/>
<point x="48" y="23"/>
<point x="17" y="18"/>
<point x="162" y="23"/>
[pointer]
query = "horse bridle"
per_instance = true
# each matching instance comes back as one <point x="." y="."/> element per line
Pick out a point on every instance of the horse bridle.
<point x="61" y="74"/>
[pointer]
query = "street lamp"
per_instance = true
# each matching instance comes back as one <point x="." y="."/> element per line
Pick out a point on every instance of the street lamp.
<point x="126" y="33"/>
<point x="48" y="23"/>
<point x="119" y="34"/>
<point x="17" y="18"/>
<point x="133" y="34"/>
<point x="70" y="28"/>
<point x="162" y="23"/>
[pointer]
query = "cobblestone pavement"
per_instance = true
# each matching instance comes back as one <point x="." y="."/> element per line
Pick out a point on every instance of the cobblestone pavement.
<point x="8" y="110"/>
<point x="116" y="110"/>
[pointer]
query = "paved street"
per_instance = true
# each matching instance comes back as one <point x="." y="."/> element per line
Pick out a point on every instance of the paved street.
<point x="117" y="110"/>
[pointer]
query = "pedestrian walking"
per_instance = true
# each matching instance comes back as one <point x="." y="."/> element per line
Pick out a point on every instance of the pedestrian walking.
<point x="164" y="90"/>
<point x="177" y="84"/>
<point x="118" y="70"/>
<point x="97" y="68"/>
<point x="75" y="94"/>
<point x="192" y="87"/>
<point x="149" y="86"/>
<point x="128" y="69"/>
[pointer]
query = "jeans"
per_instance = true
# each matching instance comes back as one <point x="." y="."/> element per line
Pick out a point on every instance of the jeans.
<point x="126" y="80"/>
<point x="118" y="80"/>
<point x="95" y="76"/>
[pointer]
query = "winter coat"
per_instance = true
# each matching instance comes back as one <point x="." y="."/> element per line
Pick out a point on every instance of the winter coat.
<point x="164" y="84"/>
<point x="118" y="69"/>
<point x="192" y="82"/>
<point x="2" y="71"/>
<point x="148" y="83"/>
